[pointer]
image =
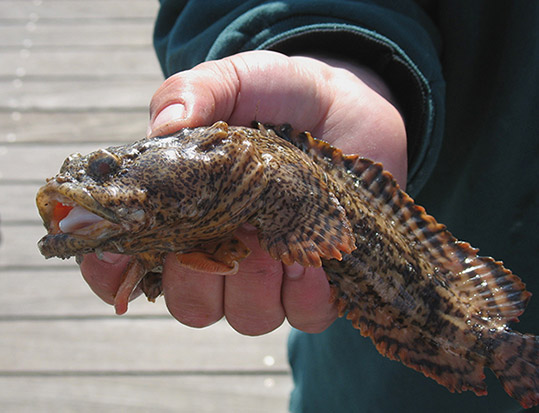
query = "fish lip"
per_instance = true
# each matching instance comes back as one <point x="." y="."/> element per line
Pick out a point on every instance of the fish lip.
<point x="65" y="245"/>
<point x="69" y="193"/>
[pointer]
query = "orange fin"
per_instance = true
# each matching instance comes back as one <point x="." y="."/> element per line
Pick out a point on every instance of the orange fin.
<point x="446" y="366"/>
<point x="138" y="267"/>
<point x="324" y="233"/>
<point x="482" y="289"/>
<point x="220" y="257"/>
<point x="133" y="274"/>
<point x="489" y="288"/>
<point x="302" y="220"/>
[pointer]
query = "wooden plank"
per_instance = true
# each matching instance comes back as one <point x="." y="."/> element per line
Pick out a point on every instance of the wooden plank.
<point x="78" y="95"/>
<point x="205" y="394"/>
<point x="67" y="127"/>
<point x="74" y="34"/>
<point x="156" y="346"/>
<point x="19" y="248"/>
<point x="37" y="162"/>
<point x="17" y="204"/>
<point x="57" y="294"/>
<point x="90" y="63"/>
<point x="58" y="10"/>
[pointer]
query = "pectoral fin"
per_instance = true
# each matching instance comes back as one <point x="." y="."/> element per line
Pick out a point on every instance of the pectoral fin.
<point x="138" y="267"/>
<point x="220" y="257"/>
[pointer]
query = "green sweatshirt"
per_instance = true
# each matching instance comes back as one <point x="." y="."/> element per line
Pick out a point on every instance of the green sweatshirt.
<point x="465" y="76"/>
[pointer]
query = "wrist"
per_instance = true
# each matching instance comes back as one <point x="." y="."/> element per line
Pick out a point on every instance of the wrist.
<point x="363" y="73"/>
<point x="364" y="118"/>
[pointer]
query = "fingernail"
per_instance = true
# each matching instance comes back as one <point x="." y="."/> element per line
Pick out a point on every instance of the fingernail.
<point x="110" y="258"/>
<point x="294" y="271"/>
<point x="175" y="111"/>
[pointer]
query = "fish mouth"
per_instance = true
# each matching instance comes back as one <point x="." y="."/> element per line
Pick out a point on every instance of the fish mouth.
<point x="76" y="222"/>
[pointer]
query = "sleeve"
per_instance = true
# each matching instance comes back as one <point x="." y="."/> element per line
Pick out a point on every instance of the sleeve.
<point x="395" y="39"/>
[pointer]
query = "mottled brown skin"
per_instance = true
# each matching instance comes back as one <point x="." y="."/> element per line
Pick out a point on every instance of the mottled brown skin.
<point x="423" y="297"/>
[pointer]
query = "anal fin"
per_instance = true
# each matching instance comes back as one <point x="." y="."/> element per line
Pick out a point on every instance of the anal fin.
<point x="439" y="360"/>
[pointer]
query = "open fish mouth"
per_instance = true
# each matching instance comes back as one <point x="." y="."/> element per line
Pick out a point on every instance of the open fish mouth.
<point x="76" y="223"/>
<point x="77" y="219"/>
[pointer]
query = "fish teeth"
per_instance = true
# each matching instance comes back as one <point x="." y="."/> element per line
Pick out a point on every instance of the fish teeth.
<point x="78" y="218"/>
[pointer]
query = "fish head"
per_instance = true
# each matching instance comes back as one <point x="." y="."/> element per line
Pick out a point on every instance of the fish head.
<point x="163" y="193"/>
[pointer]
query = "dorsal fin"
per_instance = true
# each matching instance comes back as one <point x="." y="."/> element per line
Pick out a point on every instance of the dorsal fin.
<point x="492" y="290"/>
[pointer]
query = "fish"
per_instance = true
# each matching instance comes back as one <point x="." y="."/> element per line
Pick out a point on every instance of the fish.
<point x="423" y="297"/>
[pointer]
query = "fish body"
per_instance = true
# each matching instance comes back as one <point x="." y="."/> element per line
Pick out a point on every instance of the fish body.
<point x="423" y="297"/>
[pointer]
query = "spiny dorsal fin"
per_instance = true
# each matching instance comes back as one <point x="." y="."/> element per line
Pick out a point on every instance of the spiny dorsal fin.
<point x="480" y="281"/>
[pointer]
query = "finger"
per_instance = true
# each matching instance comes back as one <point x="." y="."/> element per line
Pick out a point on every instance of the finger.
<point x="104" y="276"/>
<point x="195" y="97"/>
<point x="253" y="296"/>
<point x="306" y="299"/>
<point x="231" y="89"/>
<point x="193" y="298"/>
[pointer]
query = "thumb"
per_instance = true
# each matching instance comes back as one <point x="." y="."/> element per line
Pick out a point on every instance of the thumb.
<point x="196" y="97"/>
<point x="253" y="85"/>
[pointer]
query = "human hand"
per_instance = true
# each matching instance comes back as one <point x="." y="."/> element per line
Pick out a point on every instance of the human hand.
<point x="344" y="104"/>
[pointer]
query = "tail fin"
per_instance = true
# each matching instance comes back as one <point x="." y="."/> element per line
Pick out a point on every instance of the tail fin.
<point x="515" y="361"/>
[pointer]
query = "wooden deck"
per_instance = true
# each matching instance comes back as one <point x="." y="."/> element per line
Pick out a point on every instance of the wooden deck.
<point x="76" y="75"/>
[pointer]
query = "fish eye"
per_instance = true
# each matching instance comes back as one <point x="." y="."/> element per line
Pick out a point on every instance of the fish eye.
<point x="102" y="164"/>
